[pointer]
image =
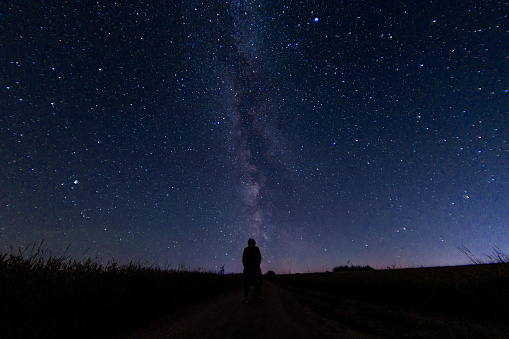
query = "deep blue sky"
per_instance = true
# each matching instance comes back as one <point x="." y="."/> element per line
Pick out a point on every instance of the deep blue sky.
<point x="331" y="132"/>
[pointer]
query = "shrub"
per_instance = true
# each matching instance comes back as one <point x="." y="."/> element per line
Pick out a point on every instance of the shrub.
<point x="352" y="268"/>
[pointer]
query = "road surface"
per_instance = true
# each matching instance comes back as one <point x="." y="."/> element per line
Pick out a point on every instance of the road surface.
<point x="280" y="316"/>
<point x="308" y="314"/>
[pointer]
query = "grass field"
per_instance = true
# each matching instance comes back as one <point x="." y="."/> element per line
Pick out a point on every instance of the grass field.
<point x="479" y="292"/>
<point x="47" y="297"/>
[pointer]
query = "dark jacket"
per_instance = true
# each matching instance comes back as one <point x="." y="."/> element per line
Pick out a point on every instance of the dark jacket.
<point x="251" y="257"/>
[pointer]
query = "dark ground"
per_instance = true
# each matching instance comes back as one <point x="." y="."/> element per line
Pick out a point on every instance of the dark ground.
<point x="303" y="313"/>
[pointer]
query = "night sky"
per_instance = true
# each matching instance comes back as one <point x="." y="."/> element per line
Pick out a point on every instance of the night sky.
<point x="333" y="132"/>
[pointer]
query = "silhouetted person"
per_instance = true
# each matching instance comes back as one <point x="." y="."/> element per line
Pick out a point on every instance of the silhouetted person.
<point x="251" y="259"/>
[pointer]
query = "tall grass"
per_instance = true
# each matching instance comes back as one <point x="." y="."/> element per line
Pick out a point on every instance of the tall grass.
<point x="497" y="257"/>
<point x="45" y="296"/>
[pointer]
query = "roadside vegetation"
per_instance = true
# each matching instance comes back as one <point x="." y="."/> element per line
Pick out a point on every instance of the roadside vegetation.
<point x="496" y="257"/>
<point x="54" y="297"/>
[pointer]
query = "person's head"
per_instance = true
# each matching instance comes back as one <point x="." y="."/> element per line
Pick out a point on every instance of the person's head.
<point x="251" y="242"/>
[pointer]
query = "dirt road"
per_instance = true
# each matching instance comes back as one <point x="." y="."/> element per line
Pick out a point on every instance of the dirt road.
<point x="308" y="314"/>
<point x="280" y="316"/>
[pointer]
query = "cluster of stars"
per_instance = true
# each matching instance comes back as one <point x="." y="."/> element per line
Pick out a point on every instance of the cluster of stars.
<point x="333" y="132"/>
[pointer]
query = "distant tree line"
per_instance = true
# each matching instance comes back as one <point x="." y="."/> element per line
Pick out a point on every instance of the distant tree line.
<point x="352" y="268"/>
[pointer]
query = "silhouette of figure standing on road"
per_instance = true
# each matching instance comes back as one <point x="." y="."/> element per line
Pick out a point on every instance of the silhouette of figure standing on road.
<point x="251" y="259"/>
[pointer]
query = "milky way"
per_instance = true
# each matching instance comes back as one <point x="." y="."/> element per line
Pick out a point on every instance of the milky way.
<point x="253" y="140"/>
<point x="253" y="143"/>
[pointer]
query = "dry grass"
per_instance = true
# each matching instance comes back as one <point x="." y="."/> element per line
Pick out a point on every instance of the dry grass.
<point x="52" y="297"/>
<point x="496" y="257"/>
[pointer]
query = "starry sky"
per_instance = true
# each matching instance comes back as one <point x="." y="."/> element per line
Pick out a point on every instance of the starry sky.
<point x="333" y="132"/>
